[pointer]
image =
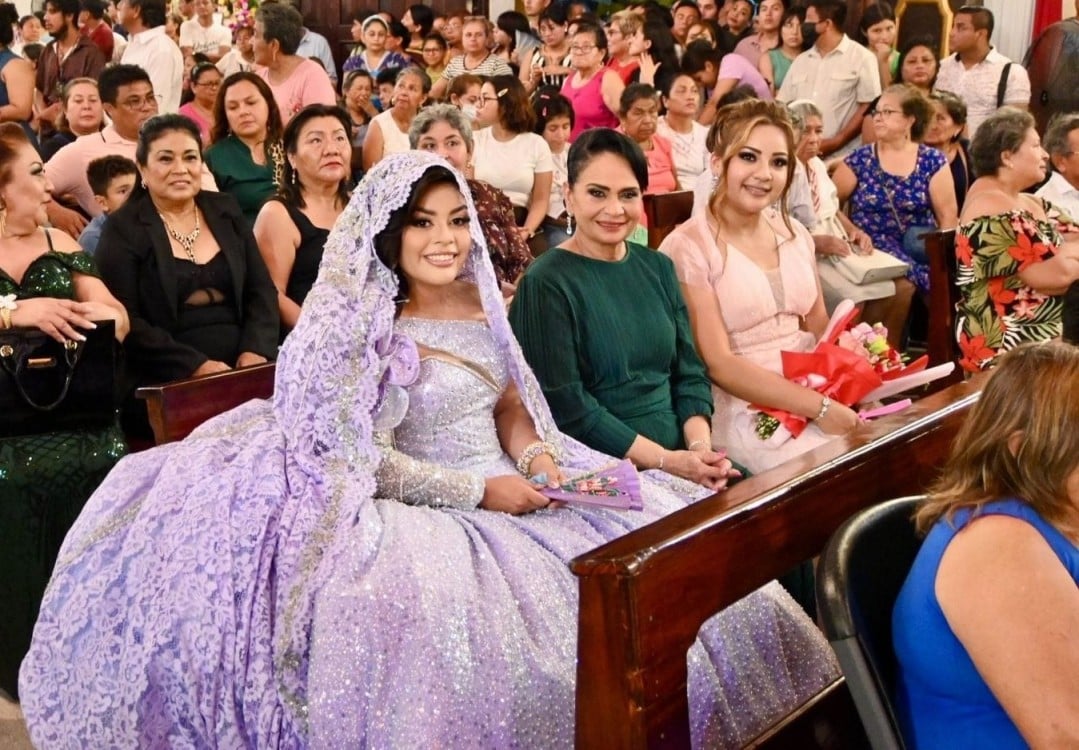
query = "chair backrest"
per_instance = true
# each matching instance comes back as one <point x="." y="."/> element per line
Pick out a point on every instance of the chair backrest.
<point x="859" y="575"/>
<point x="665" y="212"/>
<point x="177" y="408"/>
<point x="943" y="298"/>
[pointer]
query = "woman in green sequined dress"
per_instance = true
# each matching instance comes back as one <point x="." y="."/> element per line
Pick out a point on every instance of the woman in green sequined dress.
<point x="44" y="479"/>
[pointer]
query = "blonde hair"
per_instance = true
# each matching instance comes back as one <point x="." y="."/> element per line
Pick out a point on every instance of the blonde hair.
<point x="732" y="128"/>
<point x="627" y="22"/>
<point x="1030" y="398"/>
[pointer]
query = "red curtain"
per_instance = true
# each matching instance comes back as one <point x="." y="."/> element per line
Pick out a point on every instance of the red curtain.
<point x="1046" y="13"/>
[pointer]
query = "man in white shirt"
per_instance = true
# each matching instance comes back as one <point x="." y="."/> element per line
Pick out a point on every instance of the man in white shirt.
<point x="203" y="35"/>
<point x="839" y="75"/>
<point x="976" y="71"/>
<point x="150" y="49"/>
<point x="1062" y="143"/>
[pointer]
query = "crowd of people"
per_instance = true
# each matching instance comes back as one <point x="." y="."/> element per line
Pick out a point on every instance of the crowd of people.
<point x="443" y="245"/>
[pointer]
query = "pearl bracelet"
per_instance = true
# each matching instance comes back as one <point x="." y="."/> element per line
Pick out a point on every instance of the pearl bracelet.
<point x="824" y="404"/>
<point x="533" y="451"/>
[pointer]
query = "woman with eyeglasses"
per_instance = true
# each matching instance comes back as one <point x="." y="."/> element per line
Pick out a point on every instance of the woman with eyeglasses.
<point x="510" y="157"/>
<point x="433" y="53"/>
<point x="899" y="189"/>
<point x="594" y="89"/>
<point x="476" y="59"/>
<point x="205" y="83"/>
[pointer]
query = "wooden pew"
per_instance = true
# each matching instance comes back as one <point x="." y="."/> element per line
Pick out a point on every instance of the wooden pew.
<point x="943" y="297"/>
<point x="645" y="596"/>
<point x="179" y="407"/>
<point x="665" y="212"/>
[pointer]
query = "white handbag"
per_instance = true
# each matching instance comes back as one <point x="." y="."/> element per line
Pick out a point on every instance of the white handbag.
<point x="865" y="269"/>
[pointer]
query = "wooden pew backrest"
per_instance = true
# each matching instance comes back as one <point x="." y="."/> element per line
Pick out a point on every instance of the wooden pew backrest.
<point x="943" y="297"/>
<point x="645" y="596"/>
<point x="665" y="212"/>
<point x="177" y="408"/>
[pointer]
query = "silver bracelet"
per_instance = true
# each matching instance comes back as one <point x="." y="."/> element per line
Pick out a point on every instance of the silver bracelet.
<point x="531" y="452"/>
<point x="824" y="404"/>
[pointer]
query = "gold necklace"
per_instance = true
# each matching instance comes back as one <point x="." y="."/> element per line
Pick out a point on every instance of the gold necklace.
<point x="186" y="241"/>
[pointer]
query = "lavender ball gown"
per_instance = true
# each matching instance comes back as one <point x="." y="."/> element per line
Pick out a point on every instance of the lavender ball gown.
<point x="313" y="572"/>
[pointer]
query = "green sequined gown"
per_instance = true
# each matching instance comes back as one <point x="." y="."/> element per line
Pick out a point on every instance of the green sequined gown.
<point x="44" y="482"/>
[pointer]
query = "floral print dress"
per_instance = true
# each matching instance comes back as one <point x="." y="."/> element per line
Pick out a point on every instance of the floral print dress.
<point x="998" y="311"/>
<point x="885" y="205"/>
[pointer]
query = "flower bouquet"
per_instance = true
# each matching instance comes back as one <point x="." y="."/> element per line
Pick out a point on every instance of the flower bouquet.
<point x="616" y="486"/>
<point x="850" y="365"/>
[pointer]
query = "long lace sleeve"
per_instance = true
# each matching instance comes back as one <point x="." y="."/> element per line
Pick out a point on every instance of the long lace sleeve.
<point x="401" y="477"/>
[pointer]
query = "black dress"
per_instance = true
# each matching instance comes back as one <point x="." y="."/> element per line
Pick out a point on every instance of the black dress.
<point x="308" y="255"/>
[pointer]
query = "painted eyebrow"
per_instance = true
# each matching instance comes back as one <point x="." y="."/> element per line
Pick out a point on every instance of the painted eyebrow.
<point x="429" y="212"/>
<point x="605" y="187"/>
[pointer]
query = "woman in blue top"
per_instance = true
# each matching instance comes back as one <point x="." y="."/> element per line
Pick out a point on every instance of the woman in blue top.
<point x="986" y="627"/>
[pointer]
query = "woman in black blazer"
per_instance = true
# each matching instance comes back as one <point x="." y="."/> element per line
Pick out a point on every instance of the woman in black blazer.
<point x="186" y="266"/>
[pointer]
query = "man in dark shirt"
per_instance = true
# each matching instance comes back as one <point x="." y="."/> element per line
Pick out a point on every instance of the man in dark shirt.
<point x="69" y="55"/>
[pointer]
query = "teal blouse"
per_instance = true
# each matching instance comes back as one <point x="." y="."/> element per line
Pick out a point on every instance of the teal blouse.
<point x="237" y="174"/>
<point x="611" y="345"/>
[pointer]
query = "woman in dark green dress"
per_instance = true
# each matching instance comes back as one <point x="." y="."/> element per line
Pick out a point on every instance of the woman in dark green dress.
<point x="246" y="158"/>
<point x="603" y="323"/>
<point x="46" y="282"/>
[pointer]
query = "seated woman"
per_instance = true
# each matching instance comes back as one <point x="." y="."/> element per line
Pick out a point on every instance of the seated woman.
<point x="513" y="159"/>
<point x="444" y="129"/>
<point x="246" y="158"/>
<point x="292" y="227"/>
<point x="47" y="284"/>
<point x="899" y="189"/>
<point x="834" y="235"/>
<point x="549" y="63"/>
<point x="688" y="138"/>
<point x="1014" y="267"/>
<point x="638" y="113"/>
<point x="918" y="67"/>
<point x="185" y="266"/>
<point x="81" y="113"/>
<point x="984" y="627"/>
<point x="386" y="530"/>
<point x="356" y="95"/>
<point x="750" y="282"/>
<point x="640" y="390"/>
<point x="945" y="132"/>
<point x="593" y="88"/>
<point x="388" y="131"/>
<point x="205" y="81"/>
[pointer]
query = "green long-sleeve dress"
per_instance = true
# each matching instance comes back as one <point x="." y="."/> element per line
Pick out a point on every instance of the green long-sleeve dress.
<point x="612" y="347"/>
<point x="44" y="482"/>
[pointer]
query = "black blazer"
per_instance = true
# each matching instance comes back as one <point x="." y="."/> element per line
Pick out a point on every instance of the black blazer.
<point x="136" y="263"/>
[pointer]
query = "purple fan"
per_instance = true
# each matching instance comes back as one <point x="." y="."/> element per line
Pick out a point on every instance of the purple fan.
<point x="616" y="486"/>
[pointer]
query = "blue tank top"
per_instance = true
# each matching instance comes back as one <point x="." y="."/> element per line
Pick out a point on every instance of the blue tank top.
<point x="941" y="699"/>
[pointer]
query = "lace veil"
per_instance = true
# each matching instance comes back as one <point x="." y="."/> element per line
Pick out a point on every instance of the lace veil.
<point x="328" y="385"/>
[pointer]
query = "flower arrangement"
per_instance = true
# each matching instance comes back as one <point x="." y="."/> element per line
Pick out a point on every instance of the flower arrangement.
<point x="240" y="13"/>
<point x="851" y="364"/>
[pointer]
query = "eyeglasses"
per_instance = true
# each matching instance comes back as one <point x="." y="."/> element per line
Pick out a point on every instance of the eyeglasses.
<point x="885" y="112"/>
<point x="581" y="49"/>
<point x="210" y="84"/>
<point x="485" y="100"/>
<point x="136" y="103"/>
<point x="431" y="50"/>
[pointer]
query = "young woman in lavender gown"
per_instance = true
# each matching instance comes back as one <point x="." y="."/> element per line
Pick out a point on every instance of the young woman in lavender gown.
<point x="362" y="561"/>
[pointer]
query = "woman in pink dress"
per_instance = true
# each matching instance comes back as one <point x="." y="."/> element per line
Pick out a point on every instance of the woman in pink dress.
<point x="295" y="81"/>
<point x="593" y="88"/>
<point x="749" y="277"/>
<point x="639" y="116"/>
<point x="205" y="83"/>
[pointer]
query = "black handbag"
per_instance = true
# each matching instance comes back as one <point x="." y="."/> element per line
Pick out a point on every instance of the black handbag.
<point x="46" y="386"/>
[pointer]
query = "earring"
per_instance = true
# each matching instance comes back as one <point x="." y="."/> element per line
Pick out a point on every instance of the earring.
<point x="3" y="221"/>
<point x="569" y="223"/>
<point x="294" y="177"/>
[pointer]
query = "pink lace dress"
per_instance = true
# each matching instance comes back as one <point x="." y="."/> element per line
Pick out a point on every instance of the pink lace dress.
<point x="763" y="312"/>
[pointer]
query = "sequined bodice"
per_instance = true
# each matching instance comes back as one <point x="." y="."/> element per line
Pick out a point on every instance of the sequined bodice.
<point x="450" y="419"/>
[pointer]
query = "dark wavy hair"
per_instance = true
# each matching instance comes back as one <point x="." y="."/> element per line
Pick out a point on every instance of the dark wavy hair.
<point x="220" y="130"/>
<point x="923" y="41"/>
<point x="549" y="103"/>
<point x="514" y="112"/>
<point x="290" y="191"/>
<point x="388" y="241"/>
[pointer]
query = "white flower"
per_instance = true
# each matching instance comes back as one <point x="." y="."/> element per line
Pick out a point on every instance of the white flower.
<point x="7" y="302"/>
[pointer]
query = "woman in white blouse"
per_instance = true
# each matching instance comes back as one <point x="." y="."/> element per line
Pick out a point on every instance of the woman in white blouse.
<point x="511" y="157"/>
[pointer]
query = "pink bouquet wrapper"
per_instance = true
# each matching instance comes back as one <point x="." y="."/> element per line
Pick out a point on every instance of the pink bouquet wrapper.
<point x="617" y="486"/>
